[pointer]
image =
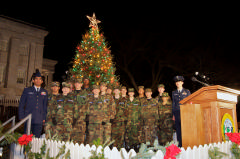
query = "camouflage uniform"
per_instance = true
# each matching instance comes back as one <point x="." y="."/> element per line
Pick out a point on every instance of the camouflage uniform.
<point x="141" y="100"/>
<point x="111" y="111"/>
<point x="124" y="98"/>
<point x="79" y="124"/>
<point x="165" y="123"/>
<point x="159" y="98"/>
<point x="118" y="126"/>
<point x="51" y="124"/>
<point x="89" y="94"/>
<point x="88" y="91"/>
<point x="98" y="116"/>
<point x="64" y="116"/>
<point x="111" y="105"/>
<point x="133" y="123"/>
<point x="149" y="120"/>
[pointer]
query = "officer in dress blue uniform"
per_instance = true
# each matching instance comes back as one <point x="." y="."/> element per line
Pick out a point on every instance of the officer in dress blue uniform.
<point x="34" y="101"/>
<point x="177" y="96"/>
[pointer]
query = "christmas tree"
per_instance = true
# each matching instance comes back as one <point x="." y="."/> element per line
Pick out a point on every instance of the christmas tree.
<point x="93" y="58"/>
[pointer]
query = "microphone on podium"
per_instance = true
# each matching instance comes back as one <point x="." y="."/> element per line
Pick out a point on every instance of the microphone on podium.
<point x="196" y="80"/>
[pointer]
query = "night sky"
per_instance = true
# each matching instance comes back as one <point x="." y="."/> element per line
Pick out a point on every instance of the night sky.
<point x="212" y="29"/>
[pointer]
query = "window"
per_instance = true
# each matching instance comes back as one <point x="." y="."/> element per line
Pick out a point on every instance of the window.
<point x="20" y="76"/>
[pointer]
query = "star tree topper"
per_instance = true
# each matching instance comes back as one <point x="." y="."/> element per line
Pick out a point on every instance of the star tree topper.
<point x="93" y="21"/>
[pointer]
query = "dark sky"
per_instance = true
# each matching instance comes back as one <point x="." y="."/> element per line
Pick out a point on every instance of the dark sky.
<point x="197" y="25"/>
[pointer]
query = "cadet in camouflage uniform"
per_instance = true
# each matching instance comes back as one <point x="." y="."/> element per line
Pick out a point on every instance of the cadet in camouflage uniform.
<point x="79" y="124"/>
<point x="132" y="134"/>
<point x="50" y="124"/>
<point x="86" y="88"/>
<point x="141" y="96"/>
<point x="161" y="89"/>
<point x="165" y="120"/>
<point x="118" y="126"/>
<point x="70" y="82"/>
<point x="109" y="90"/>
<point x="124" y="93"/>
<point x="103" y="88"/>
<point x="149" y="118"/>
<point x="64" y="113"/>
<point x="110" y="109"/>
<point x="86" y="85"/>
<point x="110" y="102"/>
<point x="98" y="116"/>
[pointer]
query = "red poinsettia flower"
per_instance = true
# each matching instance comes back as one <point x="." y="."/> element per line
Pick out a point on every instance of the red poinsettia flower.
<point x="234" y="137"/>
<point x="29" y="138"/>
<point x="25" y="139"/>
<point x="22" y="140"/>
<point x="171" y="152"/>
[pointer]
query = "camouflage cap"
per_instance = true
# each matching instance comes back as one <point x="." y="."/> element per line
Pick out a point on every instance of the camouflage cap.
<point x="161" y="85"/>
<point x="148" y="90"/>
<point x="85" y="77"/>
<point x="140" y="87"/>
<point x="116" y="87"/>
<point x="123" y="87"/>
<point x="103" y="84"/>
<point x="65" y="84"/>
<point x="109" y="86"/>
<point x="130" y="89"/>
<point x="78" y="80"/>
<point x="165" y="94"/>
<point x="70" y="81"/>
<point x="55" y="83"/>
<point x="95" y="87"/>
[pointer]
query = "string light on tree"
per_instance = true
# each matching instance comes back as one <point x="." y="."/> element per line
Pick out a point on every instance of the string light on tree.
<point x="93" y="57"/>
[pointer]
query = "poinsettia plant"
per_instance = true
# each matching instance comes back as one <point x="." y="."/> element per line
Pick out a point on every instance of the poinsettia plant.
<point x="25" y="139"/>
<point x="171" y="152"/>
<point x="235" y="138"/>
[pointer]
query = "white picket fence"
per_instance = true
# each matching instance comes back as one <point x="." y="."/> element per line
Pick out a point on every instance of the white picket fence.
<point x="83" y="151"/>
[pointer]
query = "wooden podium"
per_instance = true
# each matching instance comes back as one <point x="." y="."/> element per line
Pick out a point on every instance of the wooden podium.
<point x="202" y="113"/>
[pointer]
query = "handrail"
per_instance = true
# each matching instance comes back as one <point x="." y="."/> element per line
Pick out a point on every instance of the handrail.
<point x="9" y="120"/>
<point x="29" y="118"/>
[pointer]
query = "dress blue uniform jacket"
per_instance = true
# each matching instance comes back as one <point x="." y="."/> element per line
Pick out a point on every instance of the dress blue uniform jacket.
<point x="33" y="103"/>
<point x="177" y="97"/>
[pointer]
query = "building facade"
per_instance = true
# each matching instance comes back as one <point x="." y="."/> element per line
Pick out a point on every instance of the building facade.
<point x="21" y="53"/>
<point x="48" y="69"/>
